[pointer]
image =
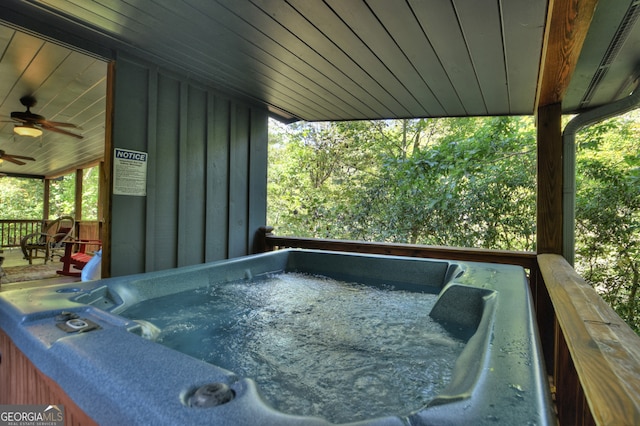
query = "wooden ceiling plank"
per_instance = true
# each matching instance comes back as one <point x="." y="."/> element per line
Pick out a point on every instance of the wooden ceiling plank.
<point x="17" y="57"/>
<point x="95" y="13"/>
<point x="481" y="24"/>
<point x="137" y="28"/>
<point x="93" y="82"/>
<point x="319" y="24"/>
<point x="247" y="73"/>
<point x="252" y="70"/>
<point x="566" y="28"/>
<point x="93" y="105"/>
<point x="523" y="23"/>
<point x="445" y="35"/>
<point x="391" y="70"/>
<point x="283" y="44"/>
<point x="410" y="37"/>
<point x="77" y="69"/>
<point x="6" y="34"/>
<point x="47" y="69"/>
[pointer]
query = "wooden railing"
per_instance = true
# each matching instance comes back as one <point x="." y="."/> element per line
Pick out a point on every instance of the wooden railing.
<point x="597" y="355"/>
<point x="525" y="259"/>
<point x="591" y="355"/>
<point x="89" y="230"/>
<point x="12" y="230"/>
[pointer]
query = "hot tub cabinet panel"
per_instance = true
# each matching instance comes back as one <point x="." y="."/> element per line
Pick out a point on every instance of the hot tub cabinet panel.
<point x="117" y="377"/>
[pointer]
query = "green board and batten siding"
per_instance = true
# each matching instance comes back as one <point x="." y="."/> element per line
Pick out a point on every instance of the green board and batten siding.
<point x="206" y="173"/>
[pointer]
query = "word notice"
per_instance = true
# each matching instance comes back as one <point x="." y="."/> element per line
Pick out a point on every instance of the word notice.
<point x="130" y="172"/>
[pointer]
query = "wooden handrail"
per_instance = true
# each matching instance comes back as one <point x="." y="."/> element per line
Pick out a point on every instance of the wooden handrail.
<point x="12" y="230"/>
<point x="597" y="355"/>
<point x="525" y="259"/>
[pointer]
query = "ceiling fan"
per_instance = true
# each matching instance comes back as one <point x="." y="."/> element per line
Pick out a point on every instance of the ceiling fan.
<point x="15" y="159"/>
<point x="30" y="124"/>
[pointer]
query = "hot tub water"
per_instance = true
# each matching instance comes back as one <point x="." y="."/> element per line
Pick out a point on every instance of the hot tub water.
<point x="314" y="345"/>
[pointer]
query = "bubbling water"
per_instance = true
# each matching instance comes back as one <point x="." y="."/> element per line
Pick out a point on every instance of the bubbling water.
<point x="315" y="346"/>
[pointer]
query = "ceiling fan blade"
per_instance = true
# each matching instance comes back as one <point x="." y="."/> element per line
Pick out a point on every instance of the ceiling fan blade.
<point x="22" y="157"/>
<point x="27" y="117"/>
<point x="13" y="160"/>
<point x="47" y="123"/>
<point x="64" y="132"/>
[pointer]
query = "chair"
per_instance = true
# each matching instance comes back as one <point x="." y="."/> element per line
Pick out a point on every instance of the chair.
<point x="79" y="259"/>
<point x="50" y="241"/>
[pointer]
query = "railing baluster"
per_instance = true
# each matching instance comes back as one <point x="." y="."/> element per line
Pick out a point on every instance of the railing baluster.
<point x="12" y="230"/>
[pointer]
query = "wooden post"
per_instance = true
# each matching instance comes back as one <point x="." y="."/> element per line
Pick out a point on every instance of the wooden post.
<point x="260" y="242"/>
<point x="106" y="178"/>
<point x="45" y="201"/>
<point x="78" y="199"/>
<point x="101" y="194"/>
<point x="549" y="202"/>
<point x="566" y="28"/>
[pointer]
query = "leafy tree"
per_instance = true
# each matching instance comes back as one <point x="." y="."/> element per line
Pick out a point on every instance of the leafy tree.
<point x="314" y="171"/>
<point x="468" y="182"/>
<point x="608" y="213"/>
<point x="62" y="196"/>
<point x="460" y="188"/>
<point x="90" y="193"/>
<point x="21" y="198"/>
<point x="417" y="181"/>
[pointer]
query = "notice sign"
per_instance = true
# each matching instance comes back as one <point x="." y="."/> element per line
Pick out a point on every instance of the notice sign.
<point x="130" y="172"/>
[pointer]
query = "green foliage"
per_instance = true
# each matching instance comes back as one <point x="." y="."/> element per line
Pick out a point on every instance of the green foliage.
<point x="62" y="196"/>
<point x="21" y="198"/>
<point x="468" y="182"/>
<point x="417" y="181"/>
<point x="608" y="213"/>
<point x="90" y="193"/>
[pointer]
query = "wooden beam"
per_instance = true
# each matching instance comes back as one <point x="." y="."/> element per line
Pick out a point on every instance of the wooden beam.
<point x="74" y="168"/>
<point x="106" y="177"/>
<point x="549" y="201"/>
<point x="101" y="194"/>
<point x="78" y="198"/>
<point x="566" y="29"/>
<point x="45" y="198"/>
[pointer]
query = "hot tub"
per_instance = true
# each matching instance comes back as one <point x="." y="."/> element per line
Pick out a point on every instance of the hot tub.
<point x="79" y="335"/>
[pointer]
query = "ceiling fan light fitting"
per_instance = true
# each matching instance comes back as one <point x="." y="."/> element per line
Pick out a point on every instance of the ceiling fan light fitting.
<point x="26" y="130"/>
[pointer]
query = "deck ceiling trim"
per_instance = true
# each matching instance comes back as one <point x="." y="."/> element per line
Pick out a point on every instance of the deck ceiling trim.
<point x="566" y="28"/>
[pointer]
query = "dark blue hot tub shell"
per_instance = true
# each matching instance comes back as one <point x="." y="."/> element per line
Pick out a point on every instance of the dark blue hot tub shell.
<point x="117" y="377"/>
